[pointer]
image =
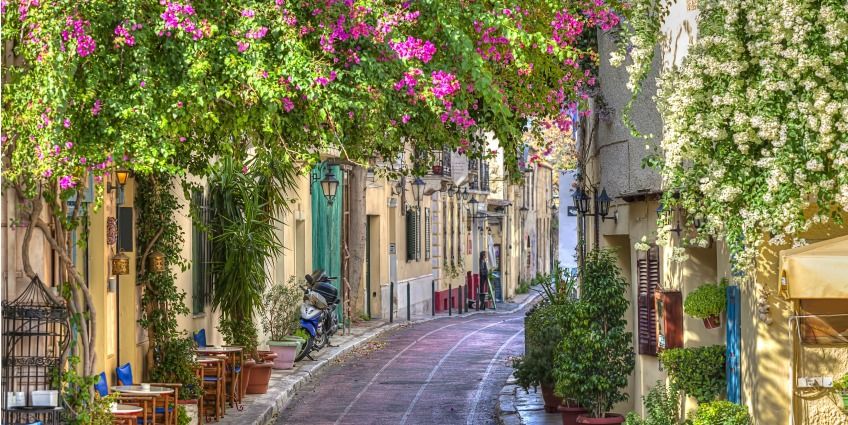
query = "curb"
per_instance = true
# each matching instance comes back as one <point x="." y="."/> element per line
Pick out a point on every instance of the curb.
<point x="276" y="402"/>
<point x="505" y="411"/>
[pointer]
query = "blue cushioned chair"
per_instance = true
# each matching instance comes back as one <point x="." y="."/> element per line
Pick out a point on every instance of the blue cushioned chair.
<point x="101" y="386"/>
<point x="200" y="338"/>
<point x="125" y="376"/>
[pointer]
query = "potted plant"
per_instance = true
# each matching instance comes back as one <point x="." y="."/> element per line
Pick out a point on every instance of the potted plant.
<point x="174" y="363"/>
<point x="841" y="385"/>
<point x="535" y="368"/>
<point x="246" y="199"/>
<point x="595" y="360"/>
<point x="437" y="169"/>
<point x="721" y="412"/>
<point x="697" y="371"/>
<point x="280" y="314"/>
<point x="707" y="303"/>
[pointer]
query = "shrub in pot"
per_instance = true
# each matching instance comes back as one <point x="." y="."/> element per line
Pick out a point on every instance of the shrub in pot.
<point x="697" y="371"/>
<point x="595" y="360"/>
<point x="662" y="407"/>
<point x="544" y="330"/>
<point x="174" y="363"/>
<point x="280" y="319"/>
<point x="841" y="385"/>
<point x="707" y="302"/>
<point x="720" y="413"/>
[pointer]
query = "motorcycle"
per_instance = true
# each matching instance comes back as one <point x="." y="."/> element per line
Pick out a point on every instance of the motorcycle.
<point x="318" y="313"/>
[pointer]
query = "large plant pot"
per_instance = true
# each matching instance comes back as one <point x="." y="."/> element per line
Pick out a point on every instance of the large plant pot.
<point x="570" y="413"/>
<point x="191" y="408"/>
<point x="267" y="356"/>
<point x="285" y="351"/>
<point x="712" y="322"/>
<point x="609" y="419"/>
<point x="259" y="377"/>
<point x="246" y="369"/>
<point x="552" y="401"/>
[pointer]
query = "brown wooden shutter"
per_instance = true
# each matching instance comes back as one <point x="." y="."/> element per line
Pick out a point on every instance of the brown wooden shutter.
<point x="649" y="280"/>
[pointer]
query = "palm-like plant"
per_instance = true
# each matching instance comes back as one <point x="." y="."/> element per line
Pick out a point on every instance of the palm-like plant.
<point x="246" y="200"/>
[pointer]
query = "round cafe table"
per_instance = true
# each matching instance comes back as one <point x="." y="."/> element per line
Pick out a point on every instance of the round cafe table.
<point x="125" y="409"/>
<point x="139" y="390"/>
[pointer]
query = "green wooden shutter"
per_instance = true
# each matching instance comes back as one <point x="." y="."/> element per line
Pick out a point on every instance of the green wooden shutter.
<point x="411" y="237"/>
<point x="427" y="233"/>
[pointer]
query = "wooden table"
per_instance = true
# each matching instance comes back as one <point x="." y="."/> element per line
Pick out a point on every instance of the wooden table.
<point x="235" y="361"/>
<point x="154" y="391"/>
<point x="125" y="409"/>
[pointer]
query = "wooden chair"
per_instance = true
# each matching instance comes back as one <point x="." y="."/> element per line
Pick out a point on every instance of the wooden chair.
<point x="168" y="411"/>
<point x="147" y="404"/>
<point x="214" y="382"/>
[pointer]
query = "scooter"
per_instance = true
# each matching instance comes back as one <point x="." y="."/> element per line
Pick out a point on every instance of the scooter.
<point x="318" y="313"/>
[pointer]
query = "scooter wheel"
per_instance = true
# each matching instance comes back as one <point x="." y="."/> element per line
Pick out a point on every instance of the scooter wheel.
<point x="307" y="348"/>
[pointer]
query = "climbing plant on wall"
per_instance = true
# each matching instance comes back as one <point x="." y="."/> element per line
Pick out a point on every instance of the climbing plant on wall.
<point x="157" y="231"/>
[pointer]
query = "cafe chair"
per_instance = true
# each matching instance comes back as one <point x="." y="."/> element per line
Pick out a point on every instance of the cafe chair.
<point x="125" y="375"/>
<point x="200" y="338"/>
<point x="214" y="381"/>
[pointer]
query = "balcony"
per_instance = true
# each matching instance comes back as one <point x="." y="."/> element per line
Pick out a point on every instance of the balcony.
<point x="478" y="171"/>
<point x="442" y="163"/>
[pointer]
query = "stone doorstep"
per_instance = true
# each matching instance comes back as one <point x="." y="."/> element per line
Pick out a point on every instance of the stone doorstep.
<point x="262" y="409"/>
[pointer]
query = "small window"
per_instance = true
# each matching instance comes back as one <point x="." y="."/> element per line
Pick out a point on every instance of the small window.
<point x="200" y="254"/>
<point x="412" y="244"/>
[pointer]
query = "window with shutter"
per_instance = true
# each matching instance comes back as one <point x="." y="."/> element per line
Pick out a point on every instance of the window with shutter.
<point x="411" y="238"/>
<point x="649" y="280"/>
<point x="426" y="233"/>
<point x="200" y="254"/>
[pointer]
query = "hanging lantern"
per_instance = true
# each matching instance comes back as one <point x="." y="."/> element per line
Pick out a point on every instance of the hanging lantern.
<point x="157" y="262"/>
<point x="120" y="264"/>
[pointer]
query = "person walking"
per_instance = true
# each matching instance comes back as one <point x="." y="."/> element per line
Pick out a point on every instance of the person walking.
<point x="484" y="281"/>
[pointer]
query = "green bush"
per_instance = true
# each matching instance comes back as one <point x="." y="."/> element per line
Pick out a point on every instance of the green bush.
<point x="721" y="413"/>
<point x="596" y="358"/>
<point x="175" y="364"/>
<point x="841" y="384"/>
<point x="706" y="301"/>
<point x="697" y="371"/>
<point x="281" y="309"/>
<point x="522" y="288"/>
<point x="662" y="407"/>
<point x="543" y="335"/>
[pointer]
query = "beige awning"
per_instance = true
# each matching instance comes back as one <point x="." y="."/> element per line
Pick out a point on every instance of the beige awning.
<point x="818" y="270"/>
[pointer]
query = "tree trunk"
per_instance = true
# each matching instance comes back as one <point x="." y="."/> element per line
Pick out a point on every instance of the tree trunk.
<point x="358" y="221"/>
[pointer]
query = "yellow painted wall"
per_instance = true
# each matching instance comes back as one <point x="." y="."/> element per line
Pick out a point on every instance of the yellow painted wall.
<point x="767" y="350"/>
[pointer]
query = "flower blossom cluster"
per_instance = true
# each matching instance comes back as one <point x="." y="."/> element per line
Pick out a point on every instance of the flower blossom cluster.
<point x="408" y="81"/>
<point x="75" y="30"/>
<point x="414" y="48"/>
<point x="123" y="35"/>
<point x="444" y="84"/>
<point x="178" y="16"/>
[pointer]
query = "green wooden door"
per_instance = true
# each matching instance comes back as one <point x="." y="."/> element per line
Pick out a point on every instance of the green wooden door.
<point x="326" y="225"/>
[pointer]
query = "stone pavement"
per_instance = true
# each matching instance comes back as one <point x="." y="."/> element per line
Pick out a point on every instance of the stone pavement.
<point x="518" y="407"/>
<point x="262" y="409"/>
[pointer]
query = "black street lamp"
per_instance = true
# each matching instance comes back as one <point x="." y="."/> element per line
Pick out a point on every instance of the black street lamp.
<point x="582" y="201"/>
<point x="522" y="213"/>
<point x="329" y="186"/>
<point x="418" y="190"/>
<point x="465" y="194"/>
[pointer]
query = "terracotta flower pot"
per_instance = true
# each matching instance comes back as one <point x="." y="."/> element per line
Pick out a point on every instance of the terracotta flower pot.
<point x="570" y="413"/>
<point x="246" y="368"/>
<point x="267" y="356"/>
<point x="259" y="377"/>
<point x="552" y="401"/>
<point x="608" y="419"/>
<point x="437" y="170"/>
<point x="712" y="322"/>
<point x="285" y="351"/>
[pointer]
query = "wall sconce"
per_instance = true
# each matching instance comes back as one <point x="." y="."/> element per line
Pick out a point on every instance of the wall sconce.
<point x="120" y="264"/>
<point x="157" y="262"/>
<point x="121" y="177"/>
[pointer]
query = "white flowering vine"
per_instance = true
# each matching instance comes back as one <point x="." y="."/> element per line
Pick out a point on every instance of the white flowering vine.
<point x="755" y="134"/>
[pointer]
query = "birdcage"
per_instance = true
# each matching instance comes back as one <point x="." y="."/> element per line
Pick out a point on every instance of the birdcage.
<point x="35" y="337"/>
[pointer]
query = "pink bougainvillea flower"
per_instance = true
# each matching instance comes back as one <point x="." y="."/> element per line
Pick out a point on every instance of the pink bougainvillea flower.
<point x="248" y="13"/>
<point x="288" y="105"/>
<point x="444" y="84"/>
<point x="242" y="46"/>
<point x="98" y="105"/>
<point x="142" y="84"/>
<point x="66" y="182"/>
<point x="412" y="47"/>
<point x="405" y="118"/>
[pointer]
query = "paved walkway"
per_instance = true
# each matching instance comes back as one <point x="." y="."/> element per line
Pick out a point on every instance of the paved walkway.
<point x="356" y="353"/>
<point x="518" y="407"/>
